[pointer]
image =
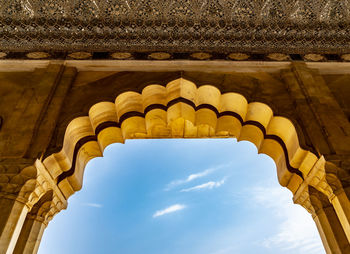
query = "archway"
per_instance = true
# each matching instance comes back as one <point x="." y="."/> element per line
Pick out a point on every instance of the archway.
<point x="181" y="110"/>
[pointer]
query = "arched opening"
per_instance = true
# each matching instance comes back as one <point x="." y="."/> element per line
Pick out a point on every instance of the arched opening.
<point x="182" y="110"/>
<point x="223" y="189"/>
<point x="179" y="110"/>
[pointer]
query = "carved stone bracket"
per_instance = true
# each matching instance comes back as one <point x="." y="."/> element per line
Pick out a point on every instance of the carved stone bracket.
<point x="58" y="201"/>
<point x="317" y="179"/>
<point x="332" y="182"/>
<point x="327" y="178"/>
<point x="27" y="185"/>
<point x="324" y="177"/>
<point x="302" y="198"/>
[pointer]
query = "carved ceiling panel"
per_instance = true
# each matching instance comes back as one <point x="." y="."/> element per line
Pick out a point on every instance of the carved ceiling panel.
<point x="254" y="26"/>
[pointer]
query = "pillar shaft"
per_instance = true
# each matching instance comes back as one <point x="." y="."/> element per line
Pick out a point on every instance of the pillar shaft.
<point x="331" y="231"/>
<point x="12" y="217"/>
<point x="30" y="237"/>
<point x="341" y="205"/>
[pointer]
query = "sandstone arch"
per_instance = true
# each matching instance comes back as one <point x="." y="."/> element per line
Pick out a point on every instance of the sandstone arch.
<point x="179" y="110"/>
<point x="183" y="109"/>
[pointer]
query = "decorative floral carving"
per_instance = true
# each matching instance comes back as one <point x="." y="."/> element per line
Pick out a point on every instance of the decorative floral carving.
<point x="160" y="55"/>
<point x="80" y="55"/>
<point x="300" y="26"/>
<point x="238" y="56"/>
<point x="38" y="55"/>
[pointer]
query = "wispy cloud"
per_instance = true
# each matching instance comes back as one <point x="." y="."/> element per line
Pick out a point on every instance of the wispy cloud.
<point x="189" y="178"/>
<point x="195" y="176"/>
<point x="93" y="205"/>
<point x="297" y="232"/>
<point x="170" y="209"/>
<point x="209" y="185"/>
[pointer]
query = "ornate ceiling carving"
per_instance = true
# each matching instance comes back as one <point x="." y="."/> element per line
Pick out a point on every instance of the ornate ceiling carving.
<point x="224" y="26"/>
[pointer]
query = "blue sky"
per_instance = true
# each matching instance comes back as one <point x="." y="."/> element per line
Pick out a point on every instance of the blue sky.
<point x="207" y="196"/>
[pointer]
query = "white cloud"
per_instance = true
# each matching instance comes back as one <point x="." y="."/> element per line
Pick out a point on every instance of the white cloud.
<point x="170" y="209"/>
<point x="297" y="232"/>
<point x="209" y="185"/>
<point x="93" y="205"/>
<point x="189" y="178"/>
<point x="198" y="175"/>
<point x="192" y="177"/>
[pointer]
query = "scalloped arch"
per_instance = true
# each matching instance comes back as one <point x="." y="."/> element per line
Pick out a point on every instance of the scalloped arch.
<point x="179" y="110"/>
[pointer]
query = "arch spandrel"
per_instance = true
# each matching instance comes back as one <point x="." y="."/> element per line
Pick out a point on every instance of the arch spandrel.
<point x="179" y="110"/>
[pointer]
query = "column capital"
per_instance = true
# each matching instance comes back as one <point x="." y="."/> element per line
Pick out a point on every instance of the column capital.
<point x="327" y="178"/>
<point x="28" y="183"/>
<point x="302" y="197"/>
<point x="311" y="199"/>
<point x="46" y="208"/>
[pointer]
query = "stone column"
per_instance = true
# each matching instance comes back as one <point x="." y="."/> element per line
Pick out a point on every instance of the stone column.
<point x="339" y="181"/>
<point x="35" y="224"/>
<point x="17" y="183"/>
<point x="318" y="205"/>
<point x="13" y="213"/>
<point x="341" y="205"/>
<point x="331" y="231"/>
<point x="21" y="186"/>
<point x="333" y="182"/>
<point x="30" y="236"/>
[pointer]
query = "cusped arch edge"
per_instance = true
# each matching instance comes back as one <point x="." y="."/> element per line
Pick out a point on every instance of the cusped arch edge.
<point x="179" y="110"/>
